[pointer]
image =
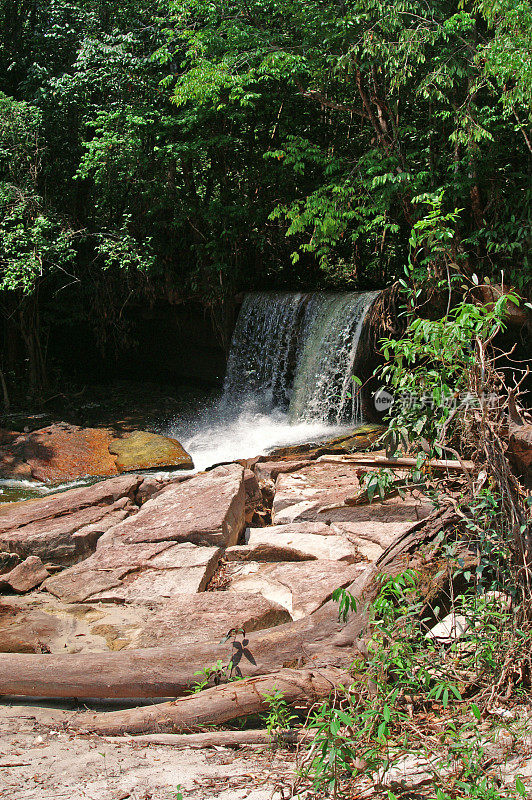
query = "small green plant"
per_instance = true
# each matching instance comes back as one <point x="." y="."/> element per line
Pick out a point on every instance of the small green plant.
<point x="179" y="792"/>
<point x="224" y="673"/>
<point x="280" y="716"/>
<point x="209" y="676"/>
<point x="346" y="603"/>
<point x="381" y="482"/>
<point x="333" y="751"/>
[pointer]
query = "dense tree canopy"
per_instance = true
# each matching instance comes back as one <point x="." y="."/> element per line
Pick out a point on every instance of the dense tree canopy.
<point x="201" y="147"/>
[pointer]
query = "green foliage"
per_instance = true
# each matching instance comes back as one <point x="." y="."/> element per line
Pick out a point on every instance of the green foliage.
<point x="200" y="148"/>
<point x="402" y="90"/>
<point x="506" y="57"/>
<point x="429" y="370"/>
<point x="408" y="670"/>
<point x="32" y="241"/>
<point x="346" y="603"/>
<point x="280" y="716"/>
<point x="379" y="482"/>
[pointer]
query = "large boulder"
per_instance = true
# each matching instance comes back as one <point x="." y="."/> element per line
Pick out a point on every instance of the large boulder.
<point x="143" y="450"/>
<point x="66" y="539"/>
<point x="209" y="616"/>
<point x="65" y="452"/>
<point x="207" y="509"/>
<point x="103" y="493"/>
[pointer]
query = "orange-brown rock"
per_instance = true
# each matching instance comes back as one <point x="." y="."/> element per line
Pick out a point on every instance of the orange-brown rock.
<point x="64" y="452"/>
<point x="25" y="576"/>
<point x="64" y="527"/>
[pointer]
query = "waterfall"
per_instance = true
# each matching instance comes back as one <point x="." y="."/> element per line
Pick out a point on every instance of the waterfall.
<point x="264" y="349"/>
<point x="296" y="352"/>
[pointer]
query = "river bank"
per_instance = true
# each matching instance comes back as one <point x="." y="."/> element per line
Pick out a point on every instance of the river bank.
<point x="130" y="591"/>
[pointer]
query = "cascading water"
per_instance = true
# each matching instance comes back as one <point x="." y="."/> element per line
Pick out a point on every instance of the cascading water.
<point x="264" y="349"/>
<point x="296" y="352"/>
<point x="288" y="376"/>
<point x="323" y="389"/>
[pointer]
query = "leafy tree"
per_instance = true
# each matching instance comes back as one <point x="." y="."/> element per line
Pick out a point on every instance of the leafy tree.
<point x="194" y="149"/>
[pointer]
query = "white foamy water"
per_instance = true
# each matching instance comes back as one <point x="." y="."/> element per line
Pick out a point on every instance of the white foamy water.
<point x="288" y="380"/>
<point x="219" y="435"/>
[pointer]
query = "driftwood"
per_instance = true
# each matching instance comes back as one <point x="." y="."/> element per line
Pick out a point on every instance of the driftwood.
<point x="198" y="741"/>
<point x="382" y="461"/>
<point x="217" y="705"/>
<point x="318" y="640"/>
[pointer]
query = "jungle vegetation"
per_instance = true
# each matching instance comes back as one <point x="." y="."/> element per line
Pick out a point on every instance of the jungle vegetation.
<point x="199" y="148"/>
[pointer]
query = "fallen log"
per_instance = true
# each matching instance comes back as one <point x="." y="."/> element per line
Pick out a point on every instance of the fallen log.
<point x="382" y="461"/>
<point x="217" y="705"/>
<point x="317" y="640"/>
<point x="197" y="741"/>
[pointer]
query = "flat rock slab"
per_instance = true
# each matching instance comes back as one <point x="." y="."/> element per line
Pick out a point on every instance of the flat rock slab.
<point x="63" y="452"/>
<point x="69" y="538"/>
<point x="103" y="493"/>
<point x="136" y="573"/>
<point x="209" y="616"/>
<point x="208" y="509"/>
<point x="300" y="587"/>
<point x="300" y="541"/>
<point x="307" y="493"/>
<point x="25" y="576"/>
<point x="371" y="538"/>
<point x="39" y="622"/>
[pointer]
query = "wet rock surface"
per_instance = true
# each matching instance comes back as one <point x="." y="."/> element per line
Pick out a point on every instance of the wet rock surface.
<point x="63" y="452"/>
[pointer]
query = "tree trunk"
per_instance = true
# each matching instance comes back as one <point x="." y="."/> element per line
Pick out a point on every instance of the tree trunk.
<point x="217" y="705"/>
<point x="219" y="738"/>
